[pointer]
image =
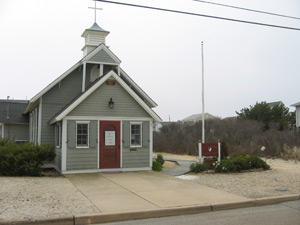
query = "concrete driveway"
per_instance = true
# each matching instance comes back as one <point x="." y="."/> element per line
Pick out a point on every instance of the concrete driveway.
<point x="144" y="191"/>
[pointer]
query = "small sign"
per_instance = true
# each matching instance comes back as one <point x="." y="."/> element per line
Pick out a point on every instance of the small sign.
<point x="110" y="138"/>
<point x="110" y="83"/>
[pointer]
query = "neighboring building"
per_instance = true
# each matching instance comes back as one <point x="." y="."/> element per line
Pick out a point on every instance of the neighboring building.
<point x="14" y="125"/>
<point x="94" y="114"/>
<point x="157" y="126"/>
<point x="297" y="105"/>
<point x="198" y="117"/>
<point x="272" y="104"/>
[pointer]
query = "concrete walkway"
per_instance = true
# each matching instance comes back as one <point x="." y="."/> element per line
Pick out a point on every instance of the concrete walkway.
<point x="142" y="191"/>
<point x="182" y="168"/>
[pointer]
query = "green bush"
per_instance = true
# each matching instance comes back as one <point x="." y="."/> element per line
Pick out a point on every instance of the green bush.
<point x="241" y="163"/>
<point x="160" y="159"/>
<point x="3" y="142"/>
<point x="226" y="166"/>
<point x="257" y="162"/>
<point x="156" y="166"/>
<point x="24" y="159"/>
<point x="197" y="167"/>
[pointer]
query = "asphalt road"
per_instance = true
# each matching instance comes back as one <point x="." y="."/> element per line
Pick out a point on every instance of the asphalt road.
<point x="287" y="213"/>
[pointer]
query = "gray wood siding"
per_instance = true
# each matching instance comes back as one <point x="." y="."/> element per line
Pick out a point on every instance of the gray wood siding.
<point x="16" y="132"/>
<point x="102" y="56"/>
<point x="81" y="159"/>
<point x="97" y="104"/>
<point x="55" y="99"/>
<point x="135" y="159"/>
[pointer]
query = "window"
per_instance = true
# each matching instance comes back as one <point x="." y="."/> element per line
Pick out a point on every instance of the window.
<point x="58" y="135"/>
<point x="136" y="134"/>
<point x="82" y="135"/>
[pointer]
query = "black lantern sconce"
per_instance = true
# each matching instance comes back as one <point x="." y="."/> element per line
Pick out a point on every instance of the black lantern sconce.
<point x="111" y="103"/>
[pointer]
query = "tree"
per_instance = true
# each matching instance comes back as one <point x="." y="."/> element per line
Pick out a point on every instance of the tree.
<point x="277" y="115"/>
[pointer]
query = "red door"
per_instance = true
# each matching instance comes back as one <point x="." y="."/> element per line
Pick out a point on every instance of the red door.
<point x="109" y="144"/>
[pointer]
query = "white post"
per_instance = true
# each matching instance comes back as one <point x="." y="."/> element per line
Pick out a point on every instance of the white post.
<point x="200" y="152"/>
<point x="64" y="146"/>
<point x="219" y="151"/>
<point x="83" y="77"/>
<point x="203" y="111"/>
<point x="101" y="70"/>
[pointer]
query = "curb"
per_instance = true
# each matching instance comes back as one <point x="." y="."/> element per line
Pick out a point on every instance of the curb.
<point x="115" y="217"/>
<point x="106" y="218"/>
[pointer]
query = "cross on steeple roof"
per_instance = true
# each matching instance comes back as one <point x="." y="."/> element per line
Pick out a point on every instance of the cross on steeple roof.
<point x="95" y="8"/>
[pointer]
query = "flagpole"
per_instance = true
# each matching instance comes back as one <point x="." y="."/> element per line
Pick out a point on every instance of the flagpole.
<point x="203" y="111"/>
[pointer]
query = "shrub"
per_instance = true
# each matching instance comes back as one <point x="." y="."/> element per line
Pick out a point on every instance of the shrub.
<point x="197" y="167"/>
<point x="241" y="163"/>
<point x="160" y="159"/>
<point x="156" y="166"/>
<point x="257" y="163"/>
<point x="24" y="159"/>
<point x="226" y="166"/>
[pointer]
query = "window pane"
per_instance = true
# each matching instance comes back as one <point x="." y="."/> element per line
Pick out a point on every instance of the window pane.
<point x="82" y="134"/>
<point x="135" y="134"/>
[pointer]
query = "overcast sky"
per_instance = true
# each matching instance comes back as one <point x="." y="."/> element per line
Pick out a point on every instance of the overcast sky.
<point x="161" y="51"/>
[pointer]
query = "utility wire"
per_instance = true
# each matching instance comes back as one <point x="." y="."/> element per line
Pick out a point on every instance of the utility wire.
<point x="251" y="10"/>
<point x="201" y="15"/>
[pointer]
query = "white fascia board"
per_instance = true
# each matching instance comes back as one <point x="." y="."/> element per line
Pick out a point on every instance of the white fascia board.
<point x="99" y="48"/>
<point x="106" y="63"/>
<point x="51" y="85"/>
<point x="96" y="86"/>
<point x="66" y="172"/>
<point x="153" y="104"/>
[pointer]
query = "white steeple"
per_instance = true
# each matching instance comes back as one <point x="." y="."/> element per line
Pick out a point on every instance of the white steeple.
<point x="94" y="36"/>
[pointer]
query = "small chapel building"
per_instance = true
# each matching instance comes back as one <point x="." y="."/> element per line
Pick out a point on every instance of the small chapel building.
<point x="97" y="118"/>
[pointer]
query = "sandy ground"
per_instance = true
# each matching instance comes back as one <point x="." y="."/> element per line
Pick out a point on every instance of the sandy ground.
<point x="48" y="197"/>
<point x="282" y="179"/>
<point x="41" y="197"/>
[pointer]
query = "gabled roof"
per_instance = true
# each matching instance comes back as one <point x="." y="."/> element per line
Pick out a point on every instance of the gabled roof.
<point x="34" y="100"/>
<point x="272" y="104"/>
<point x="94" y="87"/>
<point x="89" y="56"/>
<point x="296" y="104"/>
<point x="11" y="111"/>
<point x="199" y="117"/>
<point x="137" y="89"/>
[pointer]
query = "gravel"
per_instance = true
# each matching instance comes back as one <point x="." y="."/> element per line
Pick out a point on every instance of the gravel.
<point x="41" y="197"/>
<point x="282" y="179"/>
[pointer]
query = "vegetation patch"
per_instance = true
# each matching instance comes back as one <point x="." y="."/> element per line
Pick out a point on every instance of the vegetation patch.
<point x="198" y="167"/>
<point x="241" y="163"/>
<point x="156" y="166"/>
<point x="23" y="159"/>
<point x="237" y="164"/>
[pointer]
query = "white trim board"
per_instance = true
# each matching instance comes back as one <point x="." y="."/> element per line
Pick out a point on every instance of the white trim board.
<point x="107" y="170"/>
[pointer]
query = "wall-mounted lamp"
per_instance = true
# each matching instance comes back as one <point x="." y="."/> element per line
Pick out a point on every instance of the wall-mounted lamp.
<point x="111" y="103"/>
